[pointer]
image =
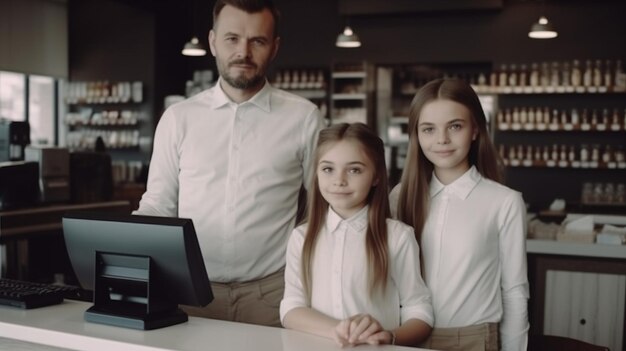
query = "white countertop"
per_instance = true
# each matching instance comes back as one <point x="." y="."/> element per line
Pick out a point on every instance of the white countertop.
<point x="552" y="247"/>
<point x="63" y="326"/>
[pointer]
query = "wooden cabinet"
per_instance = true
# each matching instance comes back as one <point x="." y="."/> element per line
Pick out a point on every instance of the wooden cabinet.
<point x="578" y="290"/>
<point x="585" y="306"/>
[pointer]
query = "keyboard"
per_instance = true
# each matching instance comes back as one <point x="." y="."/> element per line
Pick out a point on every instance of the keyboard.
<point x="23" y="294"/>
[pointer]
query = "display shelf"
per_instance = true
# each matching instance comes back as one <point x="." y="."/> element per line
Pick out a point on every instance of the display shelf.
<point x="349" y="96"/>
<point x="351" y="91"/>
<point x="509" y="90"/>
<point x="349" y="74"/>
<point x="114" y="112"/>
<point x="312" y="94"/>
<point x="566" y="164"/>
<point x="308" y="82"/>
<point x="541" y="86"/>
<point x="560" y="127"/>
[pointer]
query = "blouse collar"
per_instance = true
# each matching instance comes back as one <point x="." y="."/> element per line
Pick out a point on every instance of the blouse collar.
<point x="358" y="221"/>
<point x="461" y="187"/>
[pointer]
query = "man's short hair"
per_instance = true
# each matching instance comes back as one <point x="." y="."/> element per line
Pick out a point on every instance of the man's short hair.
<point x="249" y="6"/>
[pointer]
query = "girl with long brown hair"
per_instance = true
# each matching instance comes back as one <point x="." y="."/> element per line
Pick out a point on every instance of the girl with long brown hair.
<point x="349" y="231"/>
<point x="471" y="228"/>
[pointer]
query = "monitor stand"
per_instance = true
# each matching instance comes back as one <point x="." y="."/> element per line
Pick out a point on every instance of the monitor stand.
<point x="125" y="294"/>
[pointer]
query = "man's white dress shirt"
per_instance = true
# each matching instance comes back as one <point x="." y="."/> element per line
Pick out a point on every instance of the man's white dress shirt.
<point x="340" y="285"/>
<point x="474" y="255"/>
<point x="236" y="170"/>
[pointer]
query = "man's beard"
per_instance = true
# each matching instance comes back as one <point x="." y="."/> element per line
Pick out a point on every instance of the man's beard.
<point x="241" y="82"/>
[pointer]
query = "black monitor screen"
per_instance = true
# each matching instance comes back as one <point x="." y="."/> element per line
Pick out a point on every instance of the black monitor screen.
<point x="140" y="267"/>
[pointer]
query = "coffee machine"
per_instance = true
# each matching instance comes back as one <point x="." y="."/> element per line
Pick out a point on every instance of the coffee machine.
<point x="14" y="137"/>
<point x="54" y="171"/>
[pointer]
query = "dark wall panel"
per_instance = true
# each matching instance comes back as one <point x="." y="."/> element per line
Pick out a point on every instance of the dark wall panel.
<point x="587" y="29"/>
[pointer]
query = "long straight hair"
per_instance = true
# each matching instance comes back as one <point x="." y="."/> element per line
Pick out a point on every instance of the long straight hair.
<point x="414" y="196"/>
<point x="317" y="207"/>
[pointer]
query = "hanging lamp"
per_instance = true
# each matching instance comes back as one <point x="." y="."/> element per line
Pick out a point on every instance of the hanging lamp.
<point x="542" y="29"/>
<point x="348" y="39"/>
<point x="193" y="48"/>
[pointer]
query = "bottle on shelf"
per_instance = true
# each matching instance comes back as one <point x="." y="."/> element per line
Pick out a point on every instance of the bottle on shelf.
<point x="545" y="77"/>
<point x="585" y="123"/>
<point x="608" y="75"/>
<point x="541" y="124"/>
<point x="597" y="74"/>
<point x="523" y="77"/>
<point x="531" y="116"/>
<point x="563" y="161"/>
<point x="537" y="156"/>
<point x="503" y="78"/>
<point x="584" y="154"/>
<point x="545" y="156"/>
<point x="594" y="118"/>
<point x="512" y="80"/>
<point x="588" y="75"/>
<point x="555" y="82"/>
<point x="574" y="117"/>
<point x="566" y="77"/>
<point x="619" y="78"/>
<point x="576" y="80"/>
<point x="534" y="76"/>
<point x="614" y="124"/>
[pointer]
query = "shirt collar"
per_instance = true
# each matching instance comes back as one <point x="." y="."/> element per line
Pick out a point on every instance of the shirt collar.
<point x="461" y="187"/>
<point x="358" y="221"/>
<point x="261" y="99"/>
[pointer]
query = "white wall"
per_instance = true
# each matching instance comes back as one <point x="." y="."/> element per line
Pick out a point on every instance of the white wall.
<point x="34" y="37"/>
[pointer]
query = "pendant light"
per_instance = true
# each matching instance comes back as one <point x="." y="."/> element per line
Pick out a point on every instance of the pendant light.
<point x="347" y="38"/>
<point x="542" y="29"/>
<point x="193" y="46"/>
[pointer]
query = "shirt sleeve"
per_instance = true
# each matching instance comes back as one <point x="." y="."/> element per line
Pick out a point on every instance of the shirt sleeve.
<point x="161" y="196"/>
<point x="514" y="281"/>
<point x="311" y="130"/>
<point x="415" y="297"/>
<point x="294" y="295"/>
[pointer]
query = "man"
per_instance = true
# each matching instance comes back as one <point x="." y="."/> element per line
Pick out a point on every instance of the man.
<point x="233" y="159"/>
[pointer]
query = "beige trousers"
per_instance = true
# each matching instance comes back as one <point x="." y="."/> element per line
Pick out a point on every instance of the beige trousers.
<point x="482" y="337"/>
<point x="254" y="302"/>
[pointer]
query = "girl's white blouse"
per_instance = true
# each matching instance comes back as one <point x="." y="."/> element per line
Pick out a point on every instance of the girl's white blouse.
<point x="474" y="254"/>
<point x="340" y="284"/>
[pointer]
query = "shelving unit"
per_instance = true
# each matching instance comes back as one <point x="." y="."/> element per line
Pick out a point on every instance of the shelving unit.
<point x="111" y="111"/>
<point x="540" y="179"/>
<point x="352" y="89"/>
<point x="558" y="140"/>
<point x="311" y="83"/>
<point x="116" y="112"/>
